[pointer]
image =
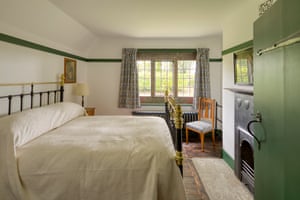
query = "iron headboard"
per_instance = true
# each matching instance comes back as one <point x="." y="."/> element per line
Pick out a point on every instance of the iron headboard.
<point x="32" y="93"/>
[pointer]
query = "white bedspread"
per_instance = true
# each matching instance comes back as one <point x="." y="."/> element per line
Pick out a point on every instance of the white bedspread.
<point x="100" y="157"/>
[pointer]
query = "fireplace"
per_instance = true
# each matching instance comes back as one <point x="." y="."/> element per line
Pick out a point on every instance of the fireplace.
<point x="244" y="142"/>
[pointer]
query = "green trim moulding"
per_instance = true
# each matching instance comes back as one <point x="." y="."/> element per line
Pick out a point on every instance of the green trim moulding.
<point x="25" y="43"/>
<point x="103" y="60"/>
<point x="239" y="47"/>
<point x="17" y="41"/>
<point x="227" y="158"/>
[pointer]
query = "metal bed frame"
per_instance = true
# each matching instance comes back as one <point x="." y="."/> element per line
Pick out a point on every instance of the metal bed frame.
<point x="175" y="122"/>
<point x="32" y="93"/>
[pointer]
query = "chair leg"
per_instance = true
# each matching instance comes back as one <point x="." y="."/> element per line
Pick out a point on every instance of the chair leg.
<point x="186" y="136"/>
<point x="213" y="137"/>
<point x="202" y="141"/>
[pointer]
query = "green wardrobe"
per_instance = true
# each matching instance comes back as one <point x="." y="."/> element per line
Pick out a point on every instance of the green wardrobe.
<point x="277" y="98"/>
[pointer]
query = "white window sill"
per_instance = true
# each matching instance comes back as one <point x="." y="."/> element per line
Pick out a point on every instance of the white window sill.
<point x="161" y="108"/>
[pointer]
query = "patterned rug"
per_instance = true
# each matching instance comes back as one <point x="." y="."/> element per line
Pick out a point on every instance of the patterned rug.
<point x="219" y="180"/>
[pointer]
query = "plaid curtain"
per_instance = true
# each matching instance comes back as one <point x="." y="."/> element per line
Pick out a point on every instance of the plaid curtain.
<point x="202" y="80"/>
<point x="129" y="90"/>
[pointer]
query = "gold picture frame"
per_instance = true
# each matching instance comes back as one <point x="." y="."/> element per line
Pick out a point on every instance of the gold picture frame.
<point x="70" y="70"/>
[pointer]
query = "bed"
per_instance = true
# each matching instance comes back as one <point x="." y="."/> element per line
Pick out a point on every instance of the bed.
<point x="56" y="152"/>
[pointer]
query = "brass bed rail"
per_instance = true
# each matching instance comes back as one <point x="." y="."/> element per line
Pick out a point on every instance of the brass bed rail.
<point x="32" y="93"/>
<point x="175" y="120"/>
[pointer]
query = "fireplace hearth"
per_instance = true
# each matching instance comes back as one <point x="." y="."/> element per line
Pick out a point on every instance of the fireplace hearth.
<point x="244" y="141"/>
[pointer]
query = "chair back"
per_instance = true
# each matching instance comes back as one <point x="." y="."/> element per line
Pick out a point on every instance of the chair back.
<point x="206" y="110"/>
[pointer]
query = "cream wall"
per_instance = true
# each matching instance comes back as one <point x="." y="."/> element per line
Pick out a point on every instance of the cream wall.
<point x="45" y="25"/>
<point x="104" y="78"/>
<point x="39" y="21"/>
<point x="21" y="64"/>
<point x="53" y="28"/>
<point x="237" y="29"/>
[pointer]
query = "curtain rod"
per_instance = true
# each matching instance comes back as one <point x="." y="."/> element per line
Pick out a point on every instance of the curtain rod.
<point x="168" y="50"/>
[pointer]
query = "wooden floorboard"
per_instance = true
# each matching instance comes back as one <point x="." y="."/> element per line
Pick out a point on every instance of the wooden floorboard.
<point x="192" y="182"/>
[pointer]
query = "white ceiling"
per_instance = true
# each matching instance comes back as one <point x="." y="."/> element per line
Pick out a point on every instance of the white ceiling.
<point x="150" y="18"/>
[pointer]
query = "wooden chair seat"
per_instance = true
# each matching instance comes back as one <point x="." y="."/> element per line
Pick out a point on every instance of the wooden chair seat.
<point x="206" y="121"/>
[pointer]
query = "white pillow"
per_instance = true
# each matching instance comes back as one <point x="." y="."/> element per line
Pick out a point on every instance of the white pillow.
<point x="27" y="125"/>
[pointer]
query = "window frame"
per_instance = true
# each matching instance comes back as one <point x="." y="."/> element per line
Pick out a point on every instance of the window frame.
<point x="173" y="57"/>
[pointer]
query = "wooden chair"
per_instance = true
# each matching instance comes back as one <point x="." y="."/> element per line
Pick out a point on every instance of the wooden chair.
<point x="206" y="121"/>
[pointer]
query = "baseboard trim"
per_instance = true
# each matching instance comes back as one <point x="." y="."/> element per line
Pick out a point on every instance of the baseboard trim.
<point x="227" y="158"/>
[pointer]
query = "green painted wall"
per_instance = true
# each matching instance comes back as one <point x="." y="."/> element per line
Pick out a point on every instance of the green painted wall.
<point x="277" y="97"/>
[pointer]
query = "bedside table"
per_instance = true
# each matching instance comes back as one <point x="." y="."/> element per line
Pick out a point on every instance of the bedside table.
<point x="90" y="110"/>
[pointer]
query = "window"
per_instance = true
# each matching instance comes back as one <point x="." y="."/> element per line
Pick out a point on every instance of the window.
<point x="144" y="71"/>
<point x="186" y="78"/>
<point x="159" y="72"/>
<point x="163" y="76"/>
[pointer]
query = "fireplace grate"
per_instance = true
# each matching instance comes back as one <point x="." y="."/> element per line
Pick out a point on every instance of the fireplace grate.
<point x="244" y="141"/>
<point x="247" y="175"/>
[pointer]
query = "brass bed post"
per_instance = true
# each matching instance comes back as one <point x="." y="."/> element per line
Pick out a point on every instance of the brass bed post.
<point x="31" y="95"/>
<point x="179" y="126"/>
<point x="174" y="112"/>
<point x="167" y="106"/>
<point x="9" y="104"/>
<point x="62" y="82"/>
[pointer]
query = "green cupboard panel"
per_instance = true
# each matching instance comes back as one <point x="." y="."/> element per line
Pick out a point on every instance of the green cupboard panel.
<point x="277" y="97"/>
<point x="291" y="17"/>
<point x="268" y="27"/>
<point x="268" y="100"/>
<point x="292" y="116"/>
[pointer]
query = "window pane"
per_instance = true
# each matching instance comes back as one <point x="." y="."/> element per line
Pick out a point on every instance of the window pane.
<point x="163" y="77"/>
<point x="186" y="78"/>
<point x="144" y="73"/>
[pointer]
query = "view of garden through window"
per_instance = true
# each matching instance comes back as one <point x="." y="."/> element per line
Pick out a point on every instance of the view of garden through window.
<point x="157" y="76"/>
<point x="144" y="73"/>
<point x="163" y="77"/>
<point x="186" y="78"/>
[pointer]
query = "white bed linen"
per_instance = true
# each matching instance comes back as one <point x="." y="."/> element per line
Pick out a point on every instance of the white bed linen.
<point x="100" y="157"/>
<point x="19" y="129"/>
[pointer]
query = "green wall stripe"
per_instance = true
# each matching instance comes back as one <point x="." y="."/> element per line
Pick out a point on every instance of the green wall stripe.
<point x="17" y="41"/>
<point x="167" y="50"/>
<point x="120" y="60"/>
<point x="227" y="159"/>
<point x="239" y="47"/>
<point x="21" y="42"/>
<point x="104" y="60"/>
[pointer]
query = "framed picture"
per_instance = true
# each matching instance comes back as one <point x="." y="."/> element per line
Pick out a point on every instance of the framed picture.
<point x="70" y="70"/>
<point x="243" y="67"/>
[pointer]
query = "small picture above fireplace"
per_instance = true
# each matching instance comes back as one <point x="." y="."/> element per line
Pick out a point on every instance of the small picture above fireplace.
<point x="243" y="67"/>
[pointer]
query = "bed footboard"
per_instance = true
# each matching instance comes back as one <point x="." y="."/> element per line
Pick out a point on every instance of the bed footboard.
<point x="175" y="122"/>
